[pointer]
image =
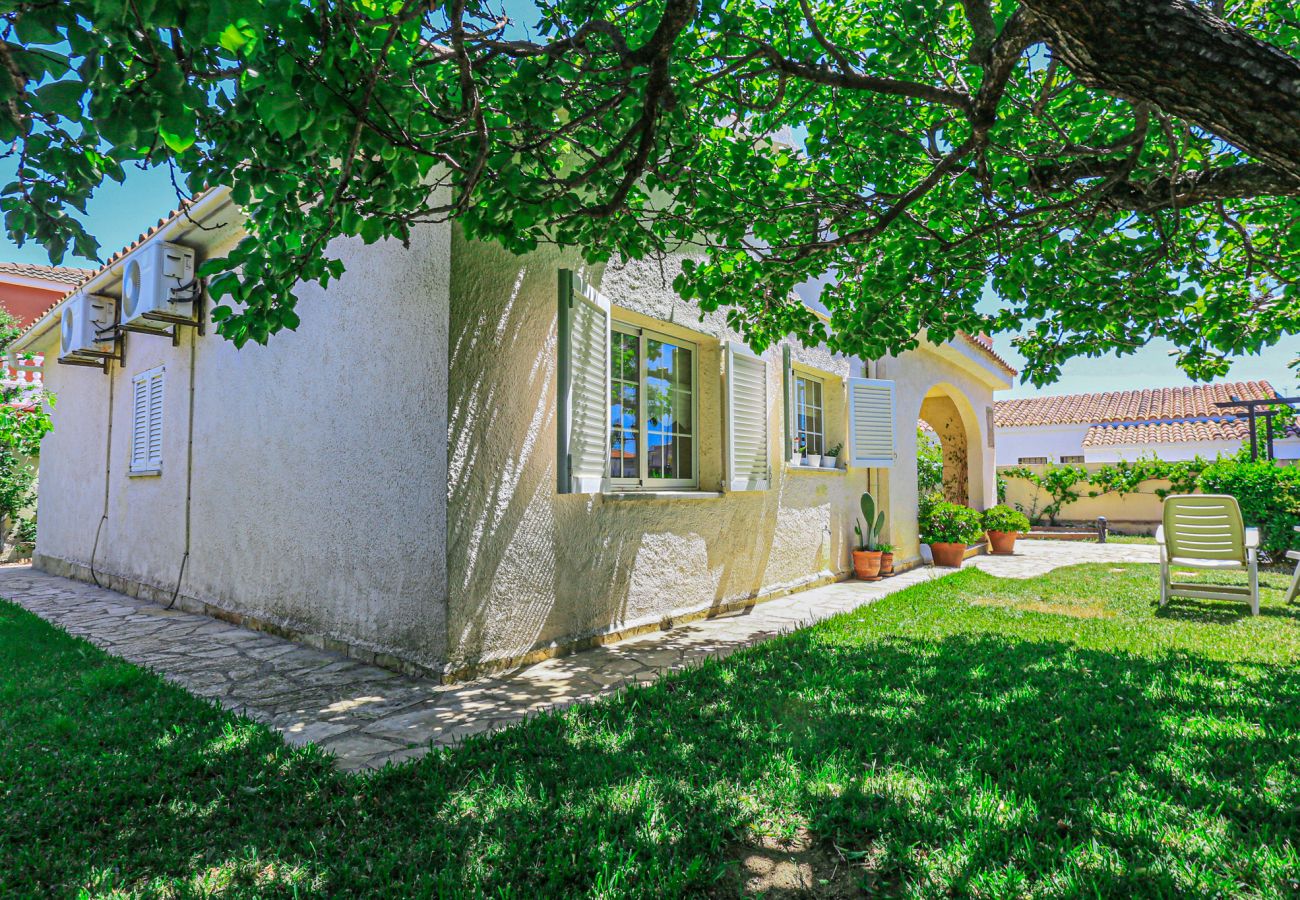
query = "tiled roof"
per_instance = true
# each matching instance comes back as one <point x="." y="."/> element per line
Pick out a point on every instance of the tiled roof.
<point x="57" y="274"/>
<point x="1158" y="404"/>
<point x="1184" y="432"/>
<point x="985" y="344"/>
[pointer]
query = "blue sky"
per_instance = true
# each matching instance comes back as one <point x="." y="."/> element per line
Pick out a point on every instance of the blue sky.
<point x="119" y="213"/>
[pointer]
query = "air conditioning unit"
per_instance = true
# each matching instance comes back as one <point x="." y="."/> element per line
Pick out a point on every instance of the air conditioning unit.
<point x="158" y="286"/>
<point x="84" y="317"/>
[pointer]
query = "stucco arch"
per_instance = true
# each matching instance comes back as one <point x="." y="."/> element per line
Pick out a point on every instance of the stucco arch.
<point x="951" y="414"/>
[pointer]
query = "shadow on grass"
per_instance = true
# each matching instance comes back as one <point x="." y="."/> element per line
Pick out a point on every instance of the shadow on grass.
<point x="968" y="764"/>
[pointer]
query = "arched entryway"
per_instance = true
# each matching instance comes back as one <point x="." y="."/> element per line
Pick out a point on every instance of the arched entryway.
<point x="949" y="416"/>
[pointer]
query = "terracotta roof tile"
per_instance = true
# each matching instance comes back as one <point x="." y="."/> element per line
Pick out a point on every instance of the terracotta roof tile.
<point x="1167" y="404"/>
<point x="57" y="274"/>
<point x="984" y="344"/>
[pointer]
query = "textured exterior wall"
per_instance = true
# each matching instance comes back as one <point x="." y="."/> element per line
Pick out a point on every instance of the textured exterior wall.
<point x="318" y="467"/>
<point x="1138" y="513"/>
<point x="528" y="567"/>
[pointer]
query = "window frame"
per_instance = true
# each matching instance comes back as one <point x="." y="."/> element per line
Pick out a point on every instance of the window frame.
<point x="148" y="466"/>
<point x="644" y="482"/>
<point x="1072" y="459"/>
<point x="800" y="433"/>
<point x="1033" y="461"/>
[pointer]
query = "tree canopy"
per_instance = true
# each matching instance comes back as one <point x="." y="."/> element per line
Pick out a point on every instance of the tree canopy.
<point x="1111" y="170"/>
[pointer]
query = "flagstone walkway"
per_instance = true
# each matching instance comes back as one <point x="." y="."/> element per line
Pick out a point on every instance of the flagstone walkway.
<point x="370" y="716"/>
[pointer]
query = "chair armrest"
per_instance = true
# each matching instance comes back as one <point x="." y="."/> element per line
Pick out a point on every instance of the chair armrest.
<point x="1252" y="538"/>
<point x="1160" y="535"/>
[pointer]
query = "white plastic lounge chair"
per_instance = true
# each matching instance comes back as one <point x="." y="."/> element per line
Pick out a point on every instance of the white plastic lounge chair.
<point x="1204" y="531"/>
<point x="1295" y="579"/>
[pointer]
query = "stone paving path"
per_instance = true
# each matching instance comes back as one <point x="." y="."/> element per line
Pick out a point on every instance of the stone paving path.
<point x="368" y="716"/>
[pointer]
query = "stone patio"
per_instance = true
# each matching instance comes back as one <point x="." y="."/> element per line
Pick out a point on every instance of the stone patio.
<point x="368" y="716"/>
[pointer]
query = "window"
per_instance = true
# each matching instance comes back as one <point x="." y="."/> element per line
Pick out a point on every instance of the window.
<point x="146" y="422"/>
<point x="1072" y="459"/>
<point x="652" y="409"/>
<point x="1033" y="461"/>
<point x="809" y="415"/>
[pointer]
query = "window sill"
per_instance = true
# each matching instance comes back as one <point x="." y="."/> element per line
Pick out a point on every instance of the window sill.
<point x="811" y="470"/>
<point x="662" y="495"/>
<point x="144" y="473"/>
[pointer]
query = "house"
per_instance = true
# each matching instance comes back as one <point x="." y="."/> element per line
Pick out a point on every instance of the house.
<point x="464" y="459"/>
<point x="27" y="291"/>
<point x="1171" y="424"/>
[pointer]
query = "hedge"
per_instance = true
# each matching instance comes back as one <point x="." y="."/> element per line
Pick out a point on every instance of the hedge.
<point x="1269" y="496"/>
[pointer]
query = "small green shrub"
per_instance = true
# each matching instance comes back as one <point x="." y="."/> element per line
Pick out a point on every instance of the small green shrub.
<point x="1004" y="518"/>
<point x="1269" y="496"/>
<point x="951" y="523"/>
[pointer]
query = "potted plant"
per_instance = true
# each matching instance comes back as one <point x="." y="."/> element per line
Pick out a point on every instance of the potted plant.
<point x="949" y="528"/>
<point x="1003" y="525"/>
<point x="866" y="558"/>
<point x="886" y="560"/>
<point x="831" y="458"/>
<point x="812" y="460"/>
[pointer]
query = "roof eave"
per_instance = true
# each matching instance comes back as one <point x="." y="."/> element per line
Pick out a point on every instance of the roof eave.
<point x="179" y="225"/>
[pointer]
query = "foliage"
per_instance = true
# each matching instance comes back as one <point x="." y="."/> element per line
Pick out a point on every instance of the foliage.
<point x="973" y="735"/>
<point x="943" y="150"/>
<point x="25" y="530"/>
<point x="835" y="451"/>
<point x="1004" y="518"/>
<point x="951" y="523"/>
<point x="1124" y="477"/>
<point x="929" y="472"/>
<point x="17" y="475"/>
<point x="874" y="522"/>
<point x="1268" y="494"/>
<point x="1058" y="482"/>
<point x="24" y="421"/>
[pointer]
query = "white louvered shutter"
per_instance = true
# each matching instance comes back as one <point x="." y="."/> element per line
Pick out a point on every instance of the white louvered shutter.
<point x="582" y="432"/>
<point x="147" y="421"/>
<point x="139" y="422"/>
<point x="748" y="456"/>
<point x="154" y="460"/>
<point x="871" y="423"/>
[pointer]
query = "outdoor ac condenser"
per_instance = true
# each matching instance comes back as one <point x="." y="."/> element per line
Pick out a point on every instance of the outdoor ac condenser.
<point x="157" y="285"/>
<point x="84" y="316"/>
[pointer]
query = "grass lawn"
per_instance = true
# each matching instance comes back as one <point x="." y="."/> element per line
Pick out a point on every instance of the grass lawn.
<point x="972" y="737"/>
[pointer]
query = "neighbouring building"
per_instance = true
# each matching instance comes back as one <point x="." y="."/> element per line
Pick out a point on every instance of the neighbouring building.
<point x="28" y="291"/>
<point x="1171" y="424"/>
<point x="464" y="459"/>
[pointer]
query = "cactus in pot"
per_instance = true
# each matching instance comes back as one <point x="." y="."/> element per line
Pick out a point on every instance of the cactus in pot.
<point x="866" y="557"/>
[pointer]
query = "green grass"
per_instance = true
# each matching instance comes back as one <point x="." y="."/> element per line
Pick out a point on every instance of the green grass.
<point x="1055" y="737"/>
<point x="1130" y="538"/>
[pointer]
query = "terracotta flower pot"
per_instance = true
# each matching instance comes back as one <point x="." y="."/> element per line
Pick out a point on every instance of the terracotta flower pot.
<point x="886" y="564"/>
<point x="866" y="564"/>
<point x="1002" y="543"/>
<point x="948" y="555"/>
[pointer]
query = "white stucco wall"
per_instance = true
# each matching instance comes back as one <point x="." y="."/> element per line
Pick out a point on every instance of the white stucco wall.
<point x="319" y="464"/>
<point x="529" y="567"/>
<point x="1051" y="441"/>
